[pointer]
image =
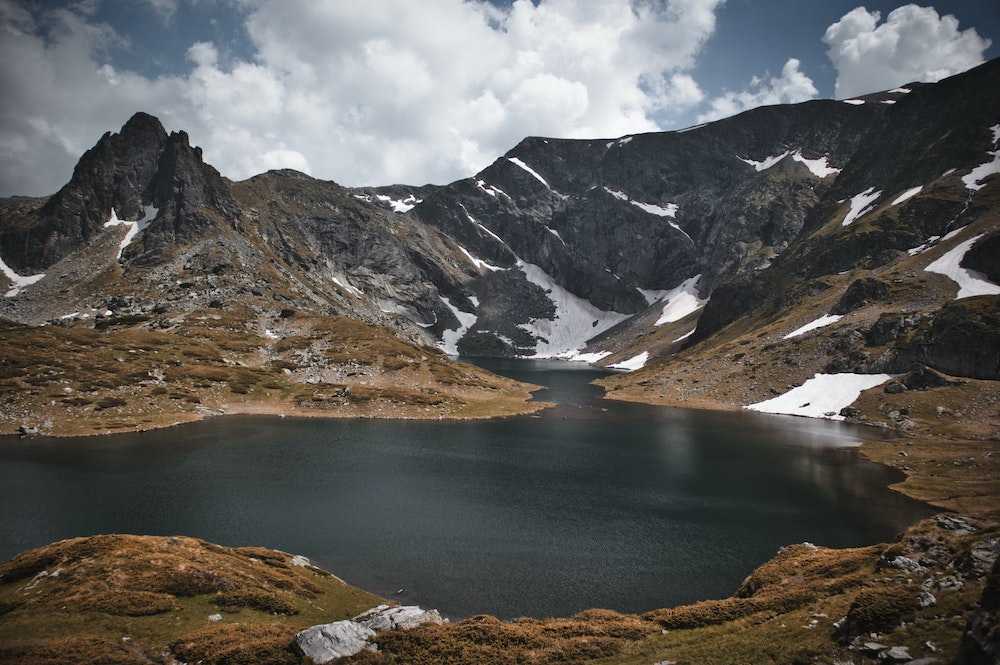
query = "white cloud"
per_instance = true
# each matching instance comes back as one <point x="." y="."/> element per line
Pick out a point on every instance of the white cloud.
<point x="413" y="92"/>
<point x="913" y="44"/>
<point x="792" y="86"/>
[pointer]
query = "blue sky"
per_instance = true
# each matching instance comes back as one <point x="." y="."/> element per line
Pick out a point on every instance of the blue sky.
<point x="401" y="91"/>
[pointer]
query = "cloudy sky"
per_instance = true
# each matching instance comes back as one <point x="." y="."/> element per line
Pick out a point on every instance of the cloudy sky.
<point x="433" y="90"/>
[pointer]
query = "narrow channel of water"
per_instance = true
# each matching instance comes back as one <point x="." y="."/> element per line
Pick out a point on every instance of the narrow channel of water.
<point x="590" y="504"/>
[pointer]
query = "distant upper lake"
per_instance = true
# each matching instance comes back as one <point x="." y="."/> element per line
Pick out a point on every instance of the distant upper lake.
<point x="591" y="504"/>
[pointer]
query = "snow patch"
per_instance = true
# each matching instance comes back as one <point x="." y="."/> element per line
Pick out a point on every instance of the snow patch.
<point x="653" y="295"/>
<point x="149" y="213"/>
<point x="577" y="357"/>
<point x="398" y="205"/>
<point x="633" y="363"/>
<point x="765" y="163"/>
<point x="17" y="282"/>
<point x="486" y="230"/>
<point x="920" y="249"/>
<point x="491" y="189"/>
<point x="819" y="167"/>
<point x="822" y="396"/>
<point x="888" y="101"/>
<point x="974" y="179"/>
<point x="479" y="263"/>
<point x="576" y="320"/>
<point x="821" y="322"/>
<point x="344" y="284"/>
<point x="907" y="195"/>
<point x="854" y="102"/>
<point x="450" y="338"/>
<point x="970" y="282"/>
<point x="685" y="336"/>
<point x="902" y="91"/>
<point x="670" y="210"/>
<point x="681" y="300"/>
<point x="530" y="170"/>
<point x="861" y="204"/>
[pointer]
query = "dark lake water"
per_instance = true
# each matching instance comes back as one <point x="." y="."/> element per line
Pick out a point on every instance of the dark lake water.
<point x="592" y="504"/>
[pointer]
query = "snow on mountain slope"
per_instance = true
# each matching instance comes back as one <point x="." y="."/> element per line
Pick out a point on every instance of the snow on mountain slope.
<point x="970" y="283"/>
<point x="450" y="338"/>
<point x="822" y="396"/>
<point x="132" y="227"/>
<point x="861" y="204"/>
<point x="533" y="172"/>
<point x="576" y="320"/>
<point x="681" y="301"/>
<point x="821" y="322"/>
<point x="17" y="282"/>
<point x="632" y="364"/>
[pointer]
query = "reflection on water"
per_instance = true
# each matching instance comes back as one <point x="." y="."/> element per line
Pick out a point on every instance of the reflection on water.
<point x="592" y="503"/>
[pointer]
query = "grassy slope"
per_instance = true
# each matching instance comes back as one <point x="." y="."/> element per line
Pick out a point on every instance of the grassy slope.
<point x="127" y="599"/>
<point x="134" y="375"/>
<point x="76" y="600"/>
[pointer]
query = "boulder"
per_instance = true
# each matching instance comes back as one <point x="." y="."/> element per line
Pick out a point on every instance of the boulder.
<point x="860" y="293"/>
<point x="403" y="617"/>
<point x="330" y="641"/>
<point x="896" y="655"/>
<point x="925" y="377"/>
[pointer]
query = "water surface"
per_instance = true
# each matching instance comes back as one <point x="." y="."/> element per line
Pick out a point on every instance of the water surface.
<point x="591" y="504"/>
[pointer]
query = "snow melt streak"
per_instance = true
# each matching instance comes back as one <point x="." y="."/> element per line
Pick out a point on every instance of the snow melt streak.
<point x="530" y="170"/>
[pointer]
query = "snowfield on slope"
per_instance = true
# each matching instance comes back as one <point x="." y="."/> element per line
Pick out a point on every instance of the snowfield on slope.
<point x="577" y="357"/>
<point x="576" y="320"/>
<point x="861" y="204"/>
<point x="819" y="167"/>
<point x="822" y="396"/>
<point x="974" y="179"/>
<point x="17" y="282"/>
<point x="681" y="301"/>
<point x="633" y="363"/>
<point x="821" y="322"/>
<point x="450" y="338"/>
<point x="970" y="282"/>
